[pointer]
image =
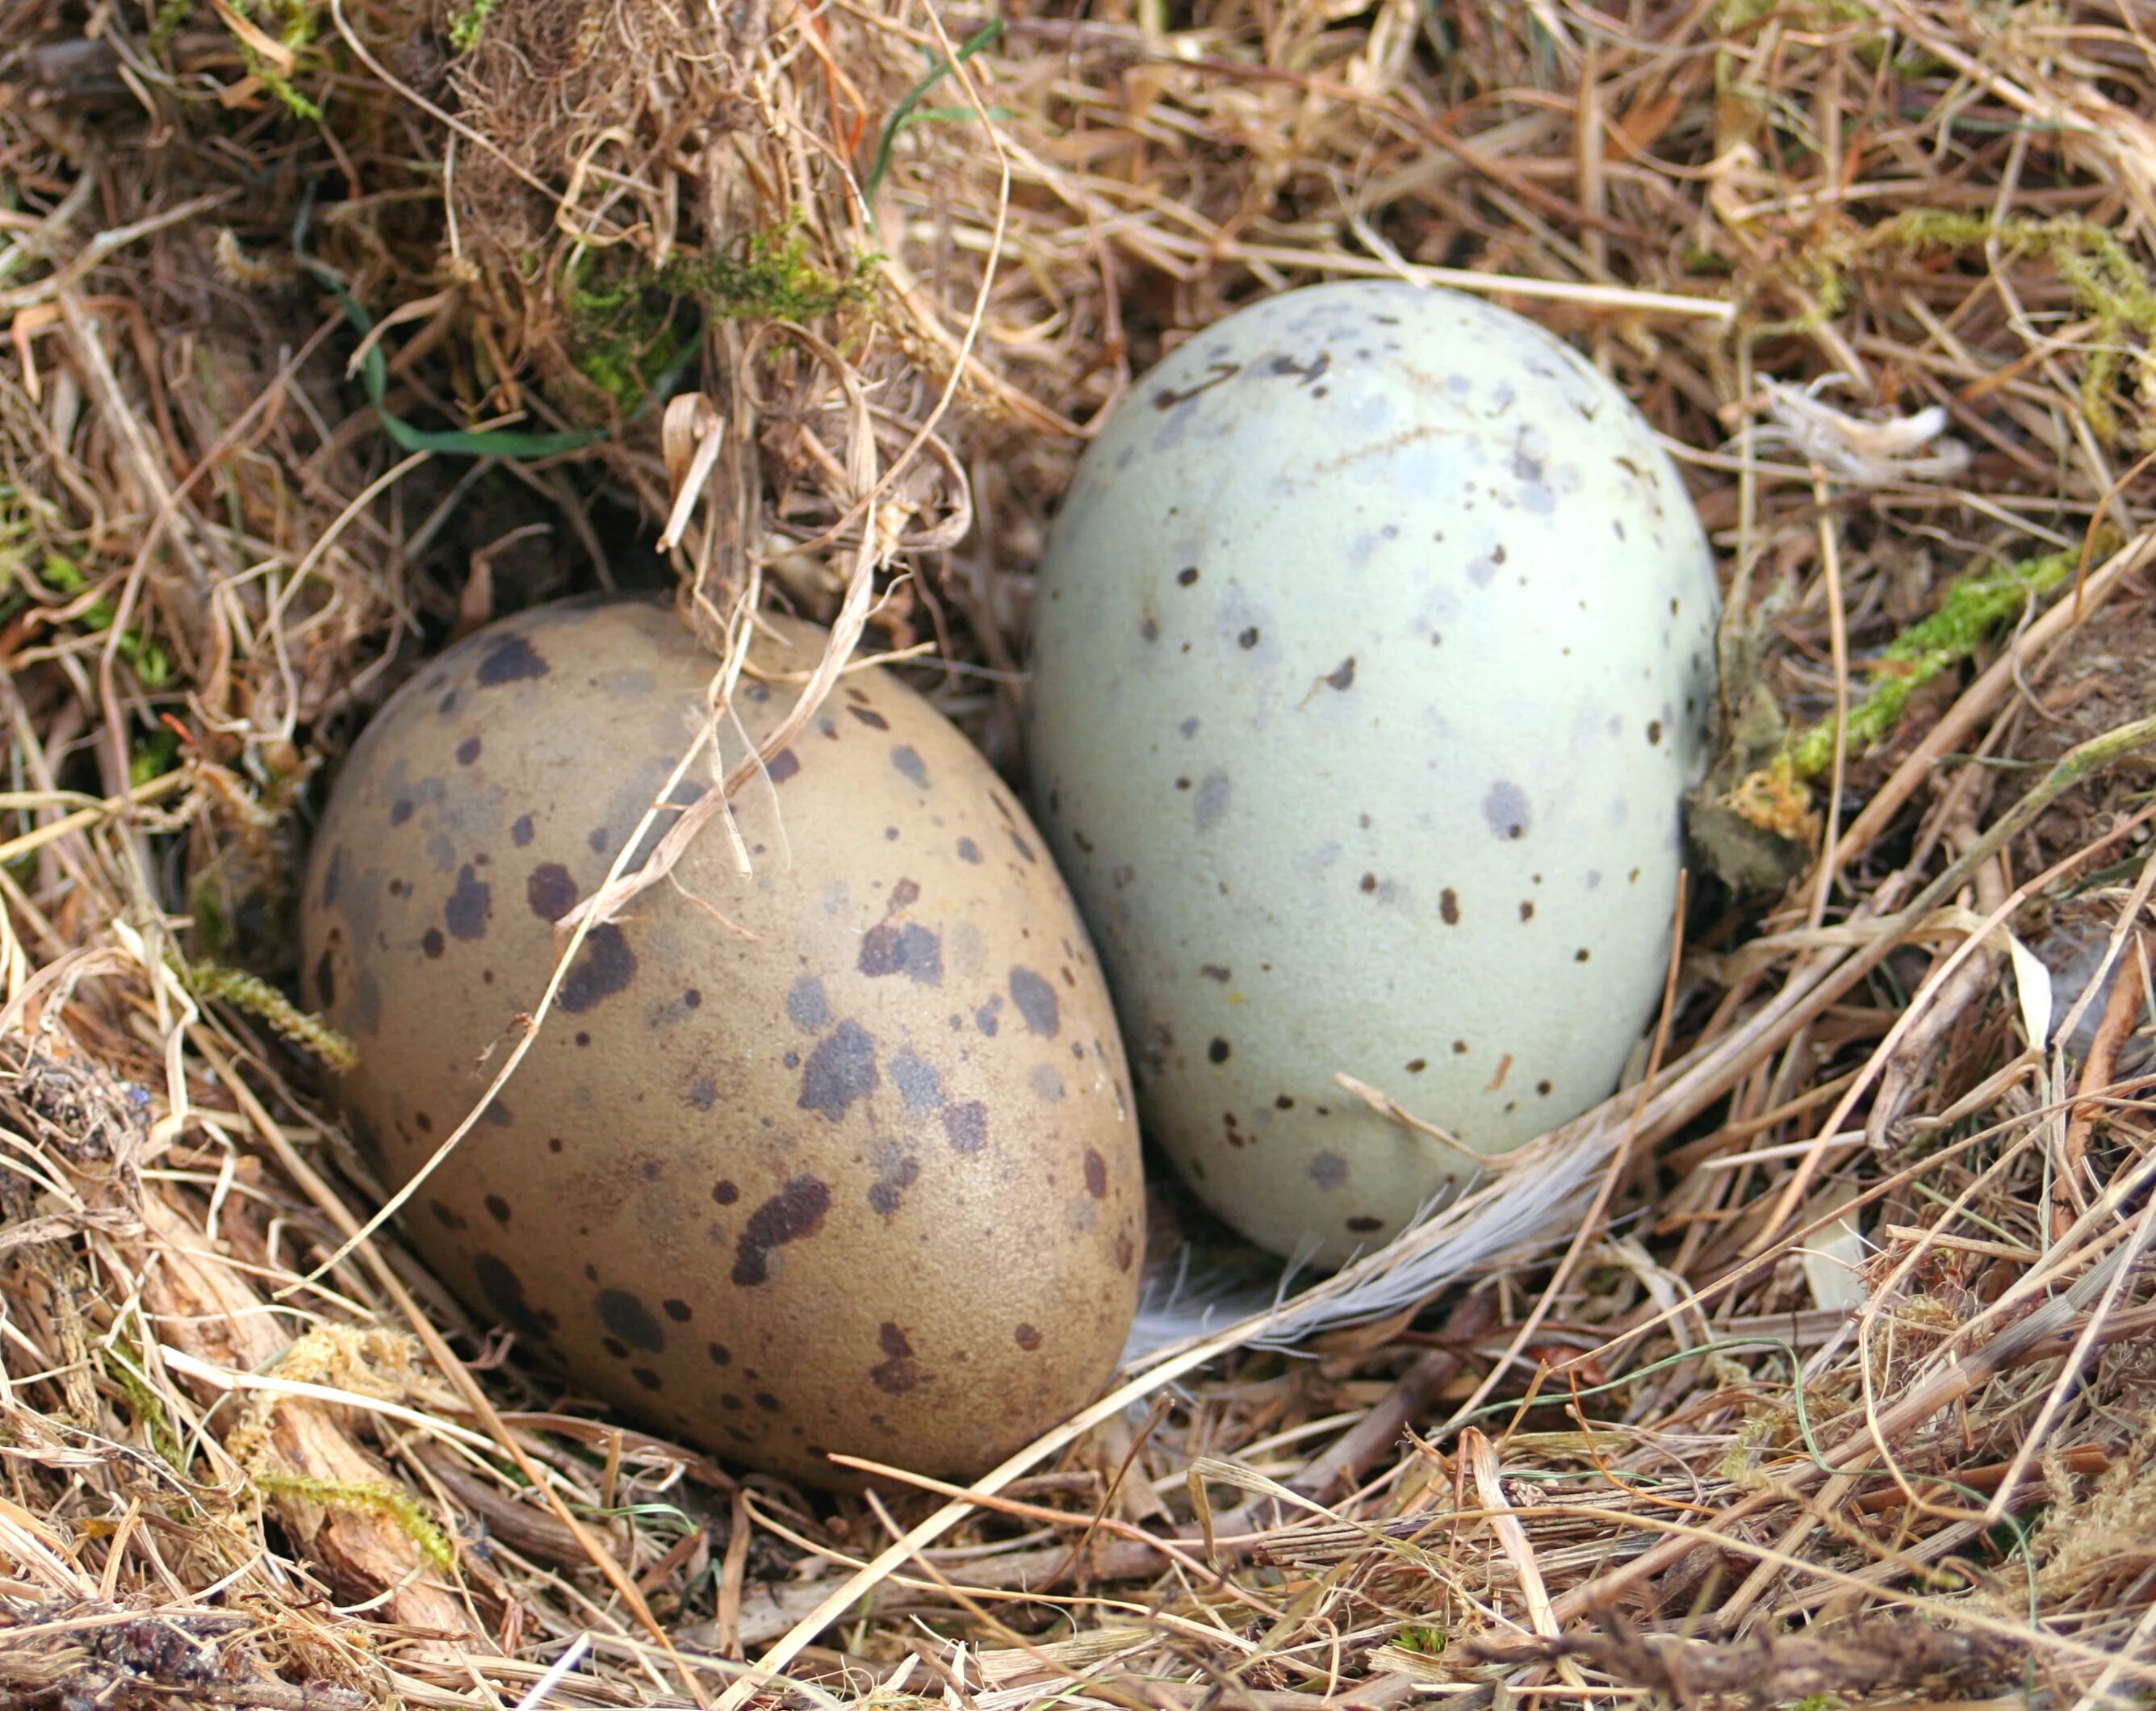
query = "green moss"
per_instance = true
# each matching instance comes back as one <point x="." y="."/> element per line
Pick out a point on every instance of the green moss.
<point x="152" y="665"/>
<point x="123" y="1365"/>
<point x="630" y="324"/>
<point x="1738" y="16"/>
<point x="213" y="923"/>
<point x="467" y="29"/>
<point x="165" y="22"/>
<point x="388" y="1501"/>
<point x="1972" y="608"/>
<point x="2108" y="285"/>
<point x="154" y="756"/>
<point x="295" y="24"/>
<point x="251" y="993"/>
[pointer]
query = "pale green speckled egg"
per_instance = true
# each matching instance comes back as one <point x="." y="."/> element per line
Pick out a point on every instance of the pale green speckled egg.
<point x="1373" y="657"/>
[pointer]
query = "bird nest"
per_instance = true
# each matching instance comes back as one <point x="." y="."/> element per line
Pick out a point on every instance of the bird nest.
<point x="1817" y="1365"/>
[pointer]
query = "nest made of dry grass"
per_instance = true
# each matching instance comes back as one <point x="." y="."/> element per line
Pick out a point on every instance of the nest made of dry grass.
<point x="337" y="326"/>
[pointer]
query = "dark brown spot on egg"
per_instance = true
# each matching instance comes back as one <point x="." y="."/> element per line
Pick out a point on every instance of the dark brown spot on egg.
<point x="1023" y="847"/>
<point x="721" y="1355"/>
<point x="505" y="1293"/>
<point x="724" y="1192"/>
<point x="512" y="659"/>
<point x="1367" y="884"/>
<point x="1187" y="576"/>
<point x="629" y="1319"/>
<point x="783" y="766"/>
<point x="769" y="1403"/>
<point x="1654" y="730"/>
<point x="1526" y="911"/>
<point x="446" y="1216"/>
<point x="1364" y="1223"/>
<point x="888" y="1192"/>
<point x="1126" y="1250"/>
<point x="1036" y="1002"/>
<point x="869" y="717"/>
<point x="520" y="830"/>
<point x="1505" y="810"/>
<point x="677" y="1310"/>
<point x="1448" y="906"/>
<point x="806" y="1004"/>
<point x="1417" y="1065"/>
<point x="1249" y="638"/>
<point x="432" y="942"/>
<point x="326" y="979"/>
<point x="1283" y="1102"/>
<point x="605" y="966"/>
<point x="333" y="880"/>
<point x="400" y="811"/>
<point x="1096" y="1175"/>
<point x="1218" y="1051"/>
<point x="1580" y="954"/>
<point x="897" y="1372"/>
<point x="550" y="891"/>
<point x="840" y="1070"/>
<point x="793" y="1214"/>
<point x="965" y="1126"/>
<point x="468" y="751"/>
<point x="1027" y="1337"/>
<point x="465" y="913"/>
<point x="891" y="947"/>
<point x="645" y="1377"/>
<point x="1342" y="676"/>
<point x="918" y="1081"/>
<point x="497" y="1208"/>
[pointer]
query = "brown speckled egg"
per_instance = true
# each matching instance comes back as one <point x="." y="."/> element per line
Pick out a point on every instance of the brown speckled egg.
<point x="836" y="1156"/>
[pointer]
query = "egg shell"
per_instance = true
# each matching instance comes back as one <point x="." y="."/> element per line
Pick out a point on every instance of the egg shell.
<point x="839" y="1156"/>
<point x="1371" y="657"/>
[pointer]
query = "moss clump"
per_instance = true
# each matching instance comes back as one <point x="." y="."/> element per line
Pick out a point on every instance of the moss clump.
<point x="123" y="1362"/>
<point x="469" y="25"/>
<point x="293" y="24"/>
<point x="393" y="1502"/>
<point x="1973" y="607"/>
<point x="631" y="325"/>
<point x="2108" y="284"/>
<point x="153" y="666"/>
<point x="249" y="992"/>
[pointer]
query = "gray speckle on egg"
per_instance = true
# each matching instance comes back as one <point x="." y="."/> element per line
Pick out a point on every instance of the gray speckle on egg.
<point x="1372" y="658"/>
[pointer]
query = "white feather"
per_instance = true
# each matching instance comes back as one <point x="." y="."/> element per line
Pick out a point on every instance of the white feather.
<point x="1537" y="1195"/>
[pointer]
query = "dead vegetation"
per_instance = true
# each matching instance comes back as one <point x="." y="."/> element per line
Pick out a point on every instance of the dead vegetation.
<point x="1822" y="1365"/>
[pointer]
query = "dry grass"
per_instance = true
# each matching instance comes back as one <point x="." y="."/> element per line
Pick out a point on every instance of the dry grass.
<point x="1837" y="1377"/>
